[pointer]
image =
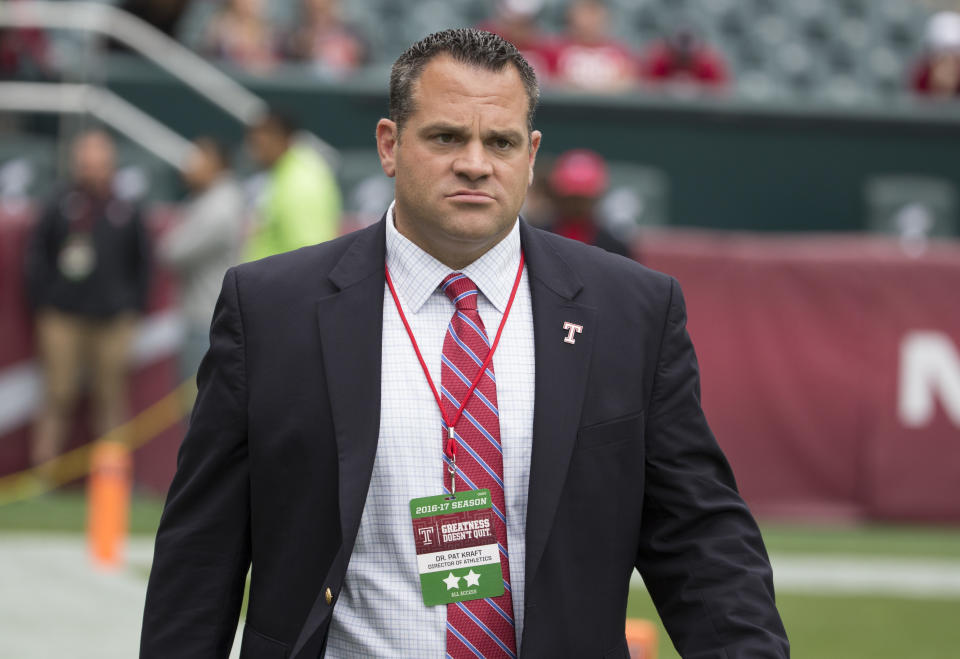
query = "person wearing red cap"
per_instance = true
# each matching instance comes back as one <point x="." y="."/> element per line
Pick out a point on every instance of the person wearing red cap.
<point x="685" y="58"/>
<point x="578" y="181"/>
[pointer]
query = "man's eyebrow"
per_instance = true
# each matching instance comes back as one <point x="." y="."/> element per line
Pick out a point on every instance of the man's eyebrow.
<point x="510" y="135"/>
<point x="454" y="129"/>
<point x="443" y="127"/>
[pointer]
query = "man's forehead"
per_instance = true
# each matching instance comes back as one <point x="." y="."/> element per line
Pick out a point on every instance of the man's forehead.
<point x="445" y="81"/>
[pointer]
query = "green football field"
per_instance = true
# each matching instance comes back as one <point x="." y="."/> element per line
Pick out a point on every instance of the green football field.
<point x="821" y="625"/>
<point x="832" y="626"/>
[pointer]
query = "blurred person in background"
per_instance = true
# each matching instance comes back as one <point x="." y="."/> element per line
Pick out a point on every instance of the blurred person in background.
<point x="87" y="272"/>
<point x="684" y="58"/>
<point x="325" y="41"/>
<point x="241" y="34"/>
<point x="517" y="21"/>
<point x="204" y="243"/>
<point x="301" y="203"/>
<point x="578" y="181"/>
<point x="538" y="208"/>
<point x="588" y="57"/>
<point x="938" y="72"/>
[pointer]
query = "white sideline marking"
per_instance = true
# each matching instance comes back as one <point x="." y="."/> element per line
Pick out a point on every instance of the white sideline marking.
<point x="55" y="603"/>
<point x="856" y="575"/>
<point x="920" y="578"/>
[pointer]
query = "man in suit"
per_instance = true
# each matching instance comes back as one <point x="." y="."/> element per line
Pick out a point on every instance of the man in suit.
<point x="331" y="397"/>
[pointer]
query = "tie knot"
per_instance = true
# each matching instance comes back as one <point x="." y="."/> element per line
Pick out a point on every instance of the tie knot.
<point x="461" y="291"/>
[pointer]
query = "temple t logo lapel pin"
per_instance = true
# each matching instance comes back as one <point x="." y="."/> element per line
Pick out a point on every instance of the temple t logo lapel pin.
<point x="571" y="329"/>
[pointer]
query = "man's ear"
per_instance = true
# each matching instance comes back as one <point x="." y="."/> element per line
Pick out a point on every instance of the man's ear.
<point x="388" y="134"/>
<point x="535" y="138"/>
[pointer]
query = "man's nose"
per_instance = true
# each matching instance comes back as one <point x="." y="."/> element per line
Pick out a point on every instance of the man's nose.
<point x="472" y="161"/>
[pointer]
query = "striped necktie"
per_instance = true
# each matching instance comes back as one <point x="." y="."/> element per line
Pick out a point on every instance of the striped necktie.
<point x="479" y="628"/>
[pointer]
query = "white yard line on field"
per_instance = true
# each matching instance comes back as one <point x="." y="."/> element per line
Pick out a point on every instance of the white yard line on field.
<point x="910" y="577"/>
<point x="55" y="603"/>
<point x="858" y="575"/>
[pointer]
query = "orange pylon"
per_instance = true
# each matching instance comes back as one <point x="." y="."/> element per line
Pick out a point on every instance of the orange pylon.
<point x="108" y="501"/>
<point x="641" y="639"/>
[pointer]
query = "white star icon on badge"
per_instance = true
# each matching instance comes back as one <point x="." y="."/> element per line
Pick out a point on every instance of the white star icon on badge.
<point x="452" y="581"/>
<point x="473" y="579"/>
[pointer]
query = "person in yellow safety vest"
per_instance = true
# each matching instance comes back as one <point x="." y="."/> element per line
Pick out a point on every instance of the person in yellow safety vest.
<point x="301" y="203"/>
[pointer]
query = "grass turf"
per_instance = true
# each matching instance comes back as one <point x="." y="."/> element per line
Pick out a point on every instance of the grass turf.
<point x="820" y="627"/>
<point x="867" y="540"/>
<point x="66" y="512"/>
<point x="843" y="627"/>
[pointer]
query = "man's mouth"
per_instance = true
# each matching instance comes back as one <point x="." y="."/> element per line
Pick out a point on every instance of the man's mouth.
<point x="470" y="196"/>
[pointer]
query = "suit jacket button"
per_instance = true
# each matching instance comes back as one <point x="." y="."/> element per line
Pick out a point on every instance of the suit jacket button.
<point x="329" y="596"/>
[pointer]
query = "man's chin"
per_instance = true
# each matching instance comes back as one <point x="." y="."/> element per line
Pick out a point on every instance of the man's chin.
<point x="477" y="227"/>
<point x="468" y="246"/>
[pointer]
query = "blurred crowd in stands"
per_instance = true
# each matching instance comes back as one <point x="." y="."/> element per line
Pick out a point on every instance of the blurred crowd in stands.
<point x="584" y="56"/>
<point x="853" y="47"/>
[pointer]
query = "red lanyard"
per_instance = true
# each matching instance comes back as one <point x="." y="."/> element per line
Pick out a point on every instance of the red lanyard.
<point x="451" y="448"/>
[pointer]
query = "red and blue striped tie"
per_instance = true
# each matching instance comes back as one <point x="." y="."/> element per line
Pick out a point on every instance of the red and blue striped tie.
<point x="481" y="628"/>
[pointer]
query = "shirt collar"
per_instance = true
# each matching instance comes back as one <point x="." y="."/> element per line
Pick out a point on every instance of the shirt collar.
<point x="416" y="274"/>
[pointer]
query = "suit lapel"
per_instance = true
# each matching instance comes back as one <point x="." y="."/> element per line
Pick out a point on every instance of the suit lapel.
<point x="351" y="327"/>
<point x="561" y="380"/>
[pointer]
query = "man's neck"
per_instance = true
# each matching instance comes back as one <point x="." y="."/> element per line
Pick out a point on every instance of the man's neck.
<point x="456" y="258"/>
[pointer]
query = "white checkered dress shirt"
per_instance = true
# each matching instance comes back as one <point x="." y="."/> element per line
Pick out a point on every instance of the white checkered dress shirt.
<point x="380" y="611"/>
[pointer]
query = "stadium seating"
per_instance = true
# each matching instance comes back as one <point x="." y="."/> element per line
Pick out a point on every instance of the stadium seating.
<point x="843" y="50"/>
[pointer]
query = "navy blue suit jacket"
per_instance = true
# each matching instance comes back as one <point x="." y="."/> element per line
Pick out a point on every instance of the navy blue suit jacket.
<point x="625" y="472"/>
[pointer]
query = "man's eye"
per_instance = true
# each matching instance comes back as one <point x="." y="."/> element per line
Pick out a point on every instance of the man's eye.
<point x="502" y="143"/>
<point x="444" y="138"/>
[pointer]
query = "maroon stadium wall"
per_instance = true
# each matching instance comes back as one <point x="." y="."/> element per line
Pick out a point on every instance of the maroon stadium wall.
<point x="830" y="368"/>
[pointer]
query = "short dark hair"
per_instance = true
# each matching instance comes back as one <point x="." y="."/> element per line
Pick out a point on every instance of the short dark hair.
<point x="468" y="46"/>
